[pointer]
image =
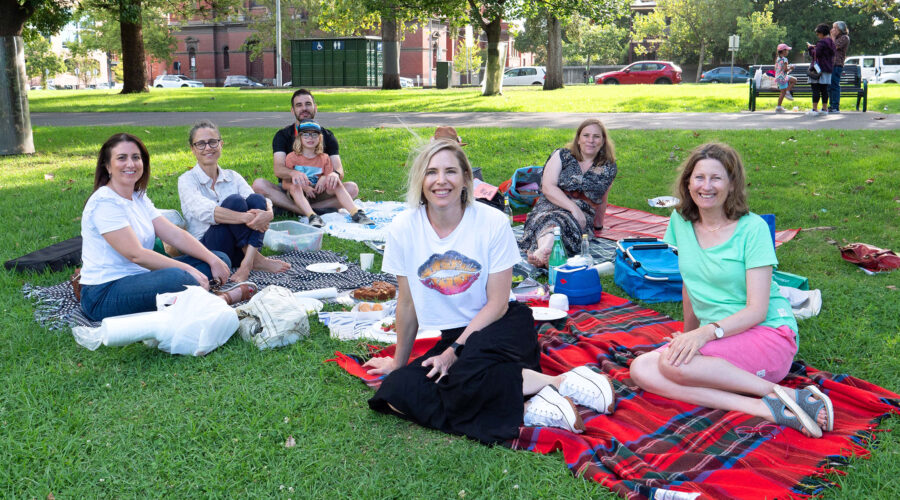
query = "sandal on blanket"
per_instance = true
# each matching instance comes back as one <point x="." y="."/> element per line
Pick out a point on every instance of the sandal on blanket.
<point x="798" y="421"/>
<point x="811" y="400"/>
<point x="247" y="290"/>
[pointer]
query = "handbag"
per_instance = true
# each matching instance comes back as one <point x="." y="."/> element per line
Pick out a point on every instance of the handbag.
<point x="812" y="73"/>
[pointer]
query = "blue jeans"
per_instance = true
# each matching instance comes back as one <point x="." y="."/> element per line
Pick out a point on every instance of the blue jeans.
<point x="835" y="88"/>
<point x="231" y="239"/>
<point x="137" y="293"/>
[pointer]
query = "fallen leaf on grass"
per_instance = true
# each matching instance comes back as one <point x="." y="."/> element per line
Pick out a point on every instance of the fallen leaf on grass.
<point x="818" y="228"/>
<point x="869" y="181"/>
<point x="146" y="131"/>
<point x="66" y="188"/>
<point x="49" y="177"/>
<point x="50" y="496"/>
<point x="290" y="443"/>
<point x="696" y="134"/>
<point x="816" y="194"/>
<point x="891" y="287"/>
<point x="794" y="172"/>
<point x="379" y="191"/>
<point x="70" y="181"/>
<point x="830" y="241"/>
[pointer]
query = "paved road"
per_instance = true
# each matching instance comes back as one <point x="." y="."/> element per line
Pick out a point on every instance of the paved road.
<point x="690" y="121"/>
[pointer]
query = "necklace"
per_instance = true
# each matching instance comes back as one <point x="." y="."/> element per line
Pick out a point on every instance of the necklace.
<point x="720" y="226"/>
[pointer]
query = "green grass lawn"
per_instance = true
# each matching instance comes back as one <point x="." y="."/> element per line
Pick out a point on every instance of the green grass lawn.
<point x="135" y="422"/>
<point x="574" y="99"/>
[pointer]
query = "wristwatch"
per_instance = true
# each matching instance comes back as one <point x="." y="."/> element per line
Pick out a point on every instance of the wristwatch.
<point x="457" y="348"/>
<point x="719" y="331"/>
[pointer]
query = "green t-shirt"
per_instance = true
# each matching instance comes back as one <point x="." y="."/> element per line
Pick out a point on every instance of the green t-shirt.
<point x="716" y="277"/>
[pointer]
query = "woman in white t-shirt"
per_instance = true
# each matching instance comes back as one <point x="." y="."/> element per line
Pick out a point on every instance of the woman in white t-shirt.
<point x="453" y="259"/>
<point x="121" y="274"/>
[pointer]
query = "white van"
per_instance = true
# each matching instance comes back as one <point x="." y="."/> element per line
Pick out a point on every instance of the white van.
<point x="878" y="69"/>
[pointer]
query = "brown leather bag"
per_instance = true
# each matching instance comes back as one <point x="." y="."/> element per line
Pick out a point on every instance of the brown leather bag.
<point x="75" y="281"/>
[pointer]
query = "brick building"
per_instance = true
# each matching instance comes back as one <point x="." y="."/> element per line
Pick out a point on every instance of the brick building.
<point x="210" y="51"/>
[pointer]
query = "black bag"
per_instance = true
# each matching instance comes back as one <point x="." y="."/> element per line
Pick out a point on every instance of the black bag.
<point x="812" y="73"/>
<point x="57" y="257"/>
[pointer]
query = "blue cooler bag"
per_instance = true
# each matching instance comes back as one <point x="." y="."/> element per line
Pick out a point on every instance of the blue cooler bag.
<point x="647" y="269"/>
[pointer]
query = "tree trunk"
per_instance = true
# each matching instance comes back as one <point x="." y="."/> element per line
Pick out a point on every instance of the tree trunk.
<point x="133" y="61"/>
<point x="554" y="78"/>
<point x="391" y="47"/>
<point x="493" y="73"/>
<point x="700" y="63"/>
<point x="15" y="127"/>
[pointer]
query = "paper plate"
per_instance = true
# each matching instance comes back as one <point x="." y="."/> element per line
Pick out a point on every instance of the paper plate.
<point x="663" y="202"/>
<point x="547" y="314"/>
<point x="327" y="267"/>
<point x="376" y="333"/>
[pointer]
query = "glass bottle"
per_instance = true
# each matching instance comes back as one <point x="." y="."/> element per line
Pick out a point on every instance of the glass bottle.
<point x="588" y="259"/>
<point x="557" y="258"/>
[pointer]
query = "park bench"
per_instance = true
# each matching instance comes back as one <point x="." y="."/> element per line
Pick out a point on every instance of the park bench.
<point x="851" y="83"/>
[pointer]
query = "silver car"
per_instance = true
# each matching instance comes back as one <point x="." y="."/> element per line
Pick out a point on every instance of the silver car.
<point x="175" y="81"/>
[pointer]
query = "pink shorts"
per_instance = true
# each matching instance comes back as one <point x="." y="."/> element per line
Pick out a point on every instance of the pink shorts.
<point x="762" y="350"/>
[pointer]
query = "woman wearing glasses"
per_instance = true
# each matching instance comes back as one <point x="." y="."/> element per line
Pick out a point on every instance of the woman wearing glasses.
<point x="221" y="209"/>
<point x="121" y="273"/>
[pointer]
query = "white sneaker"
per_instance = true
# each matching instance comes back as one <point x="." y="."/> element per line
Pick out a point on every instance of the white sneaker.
<point x="549" y="408"/>
<point x="779" y="109"/>
<point x="589" y="388"/>
<point x="823" y="113"/>
<point x="812" y="112"/>
<point x="788" y="96"/>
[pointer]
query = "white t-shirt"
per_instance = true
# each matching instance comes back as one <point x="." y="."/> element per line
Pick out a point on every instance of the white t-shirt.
<point x="199" y="200"/>
<point x="448" y="276"/>
<point x="105" y="212"/>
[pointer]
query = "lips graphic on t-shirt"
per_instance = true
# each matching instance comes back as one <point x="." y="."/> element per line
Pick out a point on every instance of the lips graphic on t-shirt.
<point x="449" y="273"/>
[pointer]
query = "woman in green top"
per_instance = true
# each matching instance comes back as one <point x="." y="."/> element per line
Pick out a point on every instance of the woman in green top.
<point x="739" y="335"/>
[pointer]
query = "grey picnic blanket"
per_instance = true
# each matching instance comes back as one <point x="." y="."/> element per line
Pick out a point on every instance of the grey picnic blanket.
<point x="55" y="306"/>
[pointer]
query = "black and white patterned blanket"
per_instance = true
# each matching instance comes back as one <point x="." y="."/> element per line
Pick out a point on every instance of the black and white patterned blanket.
<point x="56" y="308"/>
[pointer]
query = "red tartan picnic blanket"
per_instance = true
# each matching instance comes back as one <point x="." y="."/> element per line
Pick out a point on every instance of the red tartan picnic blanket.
<point x="650" y="443"/>
<point x="621" y="222"/>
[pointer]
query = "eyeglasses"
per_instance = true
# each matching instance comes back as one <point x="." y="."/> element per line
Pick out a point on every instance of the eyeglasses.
<point x="309" y="135"/>
<point x="212" y="143"/>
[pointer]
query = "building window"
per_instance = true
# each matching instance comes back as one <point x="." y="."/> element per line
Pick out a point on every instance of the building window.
<point x="192" y="58"/>
<point x="225" y="62"/>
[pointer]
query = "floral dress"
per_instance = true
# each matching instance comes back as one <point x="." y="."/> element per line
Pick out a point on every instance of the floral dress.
<point x="593" y="184"/>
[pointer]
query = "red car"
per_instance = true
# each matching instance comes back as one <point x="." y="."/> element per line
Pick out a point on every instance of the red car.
<point x="663" y="72"/>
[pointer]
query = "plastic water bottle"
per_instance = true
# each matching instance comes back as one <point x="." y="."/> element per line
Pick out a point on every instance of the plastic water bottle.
<point x="557" y="258"/>
<point x="506" y="208"/>
<point x="586" y="250"/>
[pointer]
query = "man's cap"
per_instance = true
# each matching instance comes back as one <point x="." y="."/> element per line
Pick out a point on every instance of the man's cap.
<point x="448" y="134"/>
<point x="783" y="46"/>
<point x="309" y="125"/>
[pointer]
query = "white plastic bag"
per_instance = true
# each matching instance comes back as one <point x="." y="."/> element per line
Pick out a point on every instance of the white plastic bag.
<point x="273" y="318"/>
<point x="757" y="77"/>
<point x="194" y="324"/>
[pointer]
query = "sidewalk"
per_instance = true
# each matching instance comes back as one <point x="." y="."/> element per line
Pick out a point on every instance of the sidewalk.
<point x="850" y="120"/>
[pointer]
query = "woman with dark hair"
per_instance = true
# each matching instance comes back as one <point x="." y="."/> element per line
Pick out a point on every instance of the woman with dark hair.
<point x="822" y="54"/>
<point x="456" y="278"/>
<point x="740" y="336"/>
<point x="574" y="190"/>
<point x="221" y="209"/>
<point x="841" y="36"/>
<point x="121" y="273"/>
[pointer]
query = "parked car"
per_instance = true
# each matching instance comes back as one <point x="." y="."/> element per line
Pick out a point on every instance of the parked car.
<point x="241" y="81"/>
<point x="877" y="69"/>
<point x="526" y="75"/>
<point x="722" y="74"/>
<point x="406" y="82"/>
<point x="175" y="81"/>
<point x="662" y="72"/>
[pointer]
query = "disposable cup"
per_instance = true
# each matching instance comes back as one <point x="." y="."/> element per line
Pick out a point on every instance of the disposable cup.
<point x="365" y="260"/>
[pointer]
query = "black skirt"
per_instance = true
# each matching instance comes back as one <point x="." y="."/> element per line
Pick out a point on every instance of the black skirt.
<point x="481" y="396"/>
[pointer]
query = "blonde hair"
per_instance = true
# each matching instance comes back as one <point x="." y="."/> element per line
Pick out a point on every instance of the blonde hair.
<point x="419" y="163"/>
<point x="606" y="154"/>
<point x="298" y="144"/>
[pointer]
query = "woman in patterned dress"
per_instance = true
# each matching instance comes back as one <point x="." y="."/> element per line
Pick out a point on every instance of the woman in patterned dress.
<point x="574" y="191"/>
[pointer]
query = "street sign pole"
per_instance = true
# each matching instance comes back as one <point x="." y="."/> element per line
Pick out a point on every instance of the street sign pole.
<point x="734" y="42"/>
